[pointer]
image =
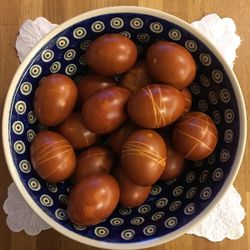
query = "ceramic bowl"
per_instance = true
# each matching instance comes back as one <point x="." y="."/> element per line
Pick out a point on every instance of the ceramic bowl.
<point x="172" y="207"/>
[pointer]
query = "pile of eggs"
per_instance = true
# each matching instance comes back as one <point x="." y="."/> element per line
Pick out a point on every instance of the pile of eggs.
<point x="114" y="141"/>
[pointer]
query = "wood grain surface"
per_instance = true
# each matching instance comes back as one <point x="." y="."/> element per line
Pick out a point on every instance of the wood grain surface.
<point x="14" y="12"/>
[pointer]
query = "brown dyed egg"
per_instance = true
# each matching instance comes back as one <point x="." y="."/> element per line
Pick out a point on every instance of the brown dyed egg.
<point x="76" y="133"/>
<point x="195" y="136"/>
<point x="188" y="99"/>
<point x="136" y="78"/>
<point x="104" y="111"/>
<point x="156" y="106"/>
<point x="52" y="156"/>
<point x="174" y="164"/>
<point x="170" y="63"/>
<point x="111" y="54"/>
<point x="91" y="83"/>
<point x="94" y="159"/>
<point x="93" y="199"/>
<point x="55" y="98"/>
<point x="143" y="157"/>
<point x="119" y="136"/>
<point x="131" y="194"/>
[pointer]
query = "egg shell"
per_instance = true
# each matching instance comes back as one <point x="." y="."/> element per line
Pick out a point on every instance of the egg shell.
<point x="188" y="99"/>
<point x="119" y="136"/>
<point x="136" y="78"/>
<point x="143" y="157"/>
<point x="174" y="164"/>
<point x="91" y="83"/>
<point x="76" y="133"/>
<point x="93" y="199"/>
<point x="170" y="63"/>
<point x="131" y="194"/>
<point x="195" y="136"/>
<point x="111" y="54"/>
<point x="54" y="99"/>
<point x="94" y="159"/>
<point x="52" y="156"/>
<point x="105" y="110"/>
<point x="156" y="106"/>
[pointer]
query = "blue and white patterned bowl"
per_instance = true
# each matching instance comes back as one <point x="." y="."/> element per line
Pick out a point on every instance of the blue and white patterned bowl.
<point x="172" y="207"/>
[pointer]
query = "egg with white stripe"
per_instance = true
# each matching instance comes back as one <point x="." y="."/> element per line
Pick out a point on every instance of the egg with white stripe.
<point x="52" y="156"/>
<point x="195" y="136"/>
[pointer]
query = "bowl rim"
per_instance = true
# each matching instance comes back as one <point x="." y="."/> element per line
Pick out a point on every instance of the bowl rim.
<point x="145" y="243"/>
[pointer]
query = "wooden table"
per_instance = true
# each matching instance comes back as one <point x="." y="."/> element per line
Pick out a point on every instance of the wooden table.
<point x="14" y="12"/>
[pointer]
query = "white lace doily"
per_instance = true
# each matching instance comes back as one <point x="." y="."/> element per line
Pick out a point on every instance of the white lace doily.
<point x="30" y="33"/>
<point x="20" y="215"/>
<point x="224" y="221"/>
<point x="222" y="33"/>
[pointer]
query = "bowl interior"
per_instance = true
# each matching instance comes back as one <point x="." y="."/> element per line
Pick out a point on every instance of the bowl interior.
<point x="172" y="204"/>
